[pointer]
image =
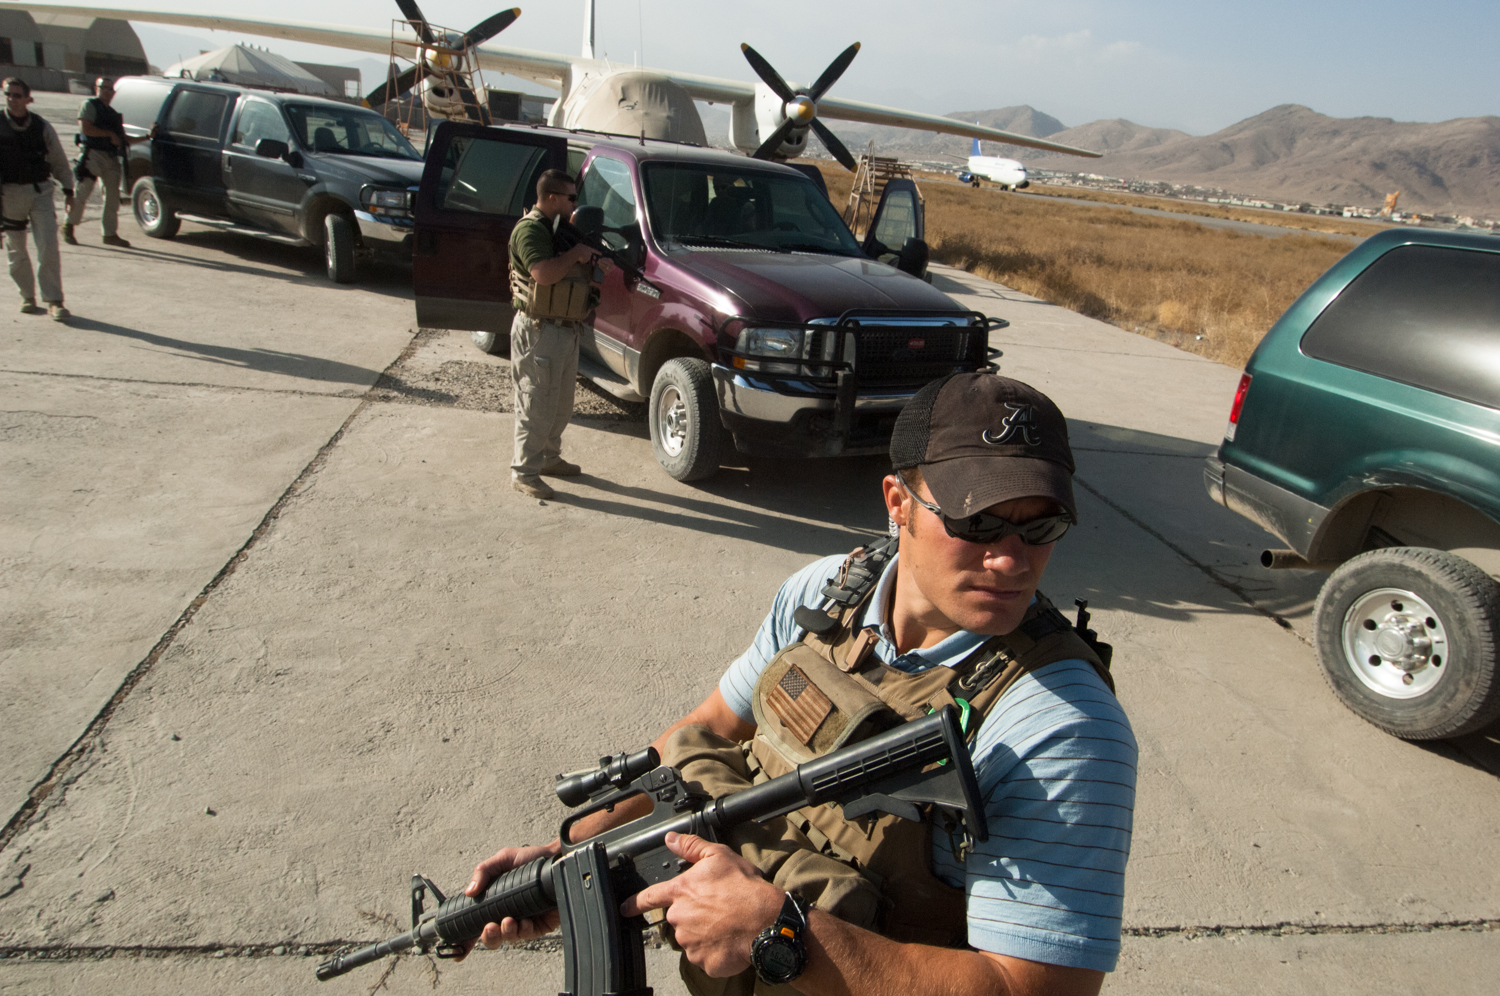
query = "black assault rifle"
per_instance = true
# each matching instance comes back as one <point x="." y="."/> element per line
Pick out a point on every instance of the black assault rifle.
<point x="587" y="228"/>
<point x="925" y="761"/>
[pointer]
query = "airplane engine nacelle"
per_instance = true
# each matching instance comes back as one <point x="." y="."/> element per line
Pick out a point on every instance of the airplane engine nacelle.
<point x="441" y="99"/>
<point x="966" y="177"/>
<point x="769" y="113"/>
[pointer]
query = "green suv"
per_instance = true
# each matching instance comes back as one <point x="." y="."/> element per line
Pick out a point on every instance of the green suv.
<point x="1366" y="435"/>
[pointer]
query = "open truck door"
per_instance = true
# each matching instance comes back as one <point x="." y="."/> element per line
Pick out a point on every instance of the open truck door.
<point x="477" y="184"/>
<point x="898" y="228"/>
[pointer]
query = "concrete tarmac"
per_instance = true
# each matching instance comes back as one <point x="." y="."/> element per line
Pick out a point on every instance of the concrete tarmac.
<point x="335" y="648"/>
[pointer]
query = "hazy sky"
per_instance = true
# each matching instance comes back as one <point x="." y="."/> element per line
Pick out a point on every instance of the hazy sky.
<point x="1198" y="65"/>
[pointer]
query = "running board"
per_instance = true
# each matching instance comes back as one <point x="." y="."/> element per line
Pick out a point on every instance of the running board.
<point x="606" y="379"/>
<point x="238" y="229"/>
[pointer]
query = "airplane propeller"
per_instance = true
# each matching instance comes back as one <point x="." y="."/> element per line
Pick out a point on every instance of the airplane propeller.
<point x="477" y="35"/>
<point x="800" y="106"/>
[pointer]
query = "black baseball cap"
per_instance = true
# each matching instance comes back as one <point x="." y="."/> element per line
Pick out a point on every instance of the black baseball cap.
<point x="981" y="439"/>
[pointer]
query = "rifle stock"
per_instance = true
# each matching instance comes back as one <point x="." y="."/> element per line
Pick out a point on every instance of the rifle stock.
<point x="923" y="762"/>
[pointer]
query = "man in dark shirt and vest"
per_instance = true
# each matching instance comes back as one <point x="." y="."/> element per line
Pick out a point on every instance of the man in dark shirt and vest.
<point x="31" y="158"/>
<point x="980" y="493"/>
<point x="104" y="143"/>
<point x="552" y="296"/>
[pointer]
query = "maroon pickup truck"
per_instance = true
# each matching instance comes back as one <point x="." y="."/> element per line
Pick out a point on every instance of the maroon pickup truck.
<point x="764" y="324"/>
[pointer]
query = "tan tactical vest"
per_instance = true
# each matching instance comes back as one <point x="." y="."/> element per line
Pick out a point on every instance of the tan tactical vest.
<point x="571" y="299"/>
<point x="825" y="692"/>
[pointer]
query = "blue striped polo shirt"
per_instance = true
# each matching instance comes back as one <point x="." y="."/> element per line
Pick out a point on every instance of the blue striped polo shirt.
<point x="1056" y="763"/>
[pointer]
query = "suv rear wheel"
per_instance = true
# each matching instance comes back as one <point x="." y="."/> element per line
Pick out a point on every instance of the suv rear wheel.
<point x="1407" y="639"/>
<point x="156" y="219"/>
<point x="684" y="417"/>
<point x="338" y="248"/>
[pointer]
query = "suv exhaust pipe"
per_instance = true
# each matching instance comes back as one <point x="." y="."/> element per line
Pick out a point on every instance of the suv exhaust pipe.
<point x="1289" y="560"/>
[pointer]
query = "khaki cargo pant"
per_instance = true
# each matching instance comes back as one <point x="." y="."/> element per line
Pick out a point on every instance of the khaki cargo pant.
<point x="105" y="166"/>
<point x="33" y="203"/>
<point x="544" y="365"/>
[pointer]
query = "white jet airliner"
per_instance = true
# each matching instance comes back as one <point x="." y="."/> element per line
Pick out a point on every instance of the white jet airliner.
<point x="1009" y="174"/>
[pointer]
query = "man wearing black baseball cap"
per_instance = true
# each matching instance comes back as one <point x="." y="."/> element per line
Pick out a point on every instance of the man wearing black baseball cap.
<point x="981" y="491"/>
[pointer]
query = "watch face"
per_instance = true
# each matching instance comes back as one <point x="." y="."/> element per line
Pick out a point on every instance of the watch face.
<point x="778" y="959"/>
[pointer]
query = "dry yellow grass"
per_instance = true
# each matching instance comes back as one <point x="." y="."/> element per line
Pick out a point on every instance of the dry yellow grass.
<point x="1172" y="280"/>
<point x="1260" y="216"/>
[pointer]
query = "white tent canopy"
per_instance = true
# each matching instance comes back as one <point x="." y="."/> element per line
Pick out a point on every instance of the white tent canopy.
<point x="248" y="66"/>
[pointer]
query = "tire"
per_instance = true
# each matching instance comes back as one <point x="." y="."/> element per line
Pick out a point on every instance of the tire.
<point x="338" y="248"/>
<point x="1407" y="640"/>
<point x="686" y="434"/>
<point x="494" y="343"/>
<point x="156" y="219"/>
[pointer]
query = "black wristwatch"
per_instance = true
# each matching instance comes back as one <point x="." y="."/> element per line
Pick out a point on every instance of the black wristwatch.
<point x="778" y="953"/>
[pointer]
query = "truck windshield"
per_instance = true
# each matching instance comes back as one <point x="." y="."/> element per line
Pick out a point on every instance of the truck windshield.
<point x="348" y="131"/>
<point x="695" y="205"/>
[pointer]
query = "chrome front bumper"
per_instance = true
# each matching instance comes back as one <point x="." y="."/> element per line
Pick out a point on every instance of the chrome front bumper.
<point x="381" y="232"/>
<point x="783" y="400"/>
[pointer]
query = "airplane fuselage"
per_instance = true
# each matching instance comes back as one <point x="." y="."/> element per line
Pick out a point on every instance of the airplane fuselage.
<point x="1006" y="172"/>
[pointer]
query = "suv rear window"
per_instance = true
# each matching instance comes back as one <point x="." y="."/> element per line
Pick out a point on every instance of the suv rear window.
<point x="197" y="112"/>
<point x="1421" y="315"/>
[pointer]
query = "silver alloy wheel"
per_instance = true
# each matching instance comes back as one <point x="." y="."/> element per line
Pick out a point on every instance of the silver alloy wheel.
<point x="1395" y="643"/>
<point x="672" y="421"/>
<point x="328" y="257"/>
<point x="148" y="206"/>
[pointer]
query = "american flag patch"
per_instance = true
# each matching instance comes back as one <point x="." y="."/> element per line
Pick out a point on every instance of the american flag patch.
<point x="799" y="704"/>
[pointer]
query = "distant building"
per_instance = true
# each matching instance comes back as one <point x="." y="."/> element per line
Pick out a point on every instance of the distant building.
<point x="343" y="81"/>
<point x="48" y="50"/>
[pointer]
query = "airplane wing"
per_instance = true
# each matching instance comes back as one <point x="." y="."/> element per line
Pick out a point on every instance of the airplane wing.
<point x="551" y="69"/>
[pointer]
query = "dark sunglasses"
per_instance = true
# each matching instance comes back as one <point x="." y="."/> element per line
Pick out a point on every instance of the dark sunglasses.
<point x="985" y="528"/>
<point x="571" y="197"/>
<point x="16" y="96"/>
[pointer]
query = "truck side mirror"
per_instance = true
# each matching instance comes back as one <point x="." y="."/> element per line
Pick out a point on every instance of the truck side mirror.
<point x="589" y="219"/>
<point x="913" y="257"/>
<point x="271" y="148"/>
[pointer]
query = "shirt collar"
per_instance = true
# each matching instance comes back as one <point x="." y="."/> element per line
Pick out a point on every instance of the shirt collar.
<point x="948" y="653"/>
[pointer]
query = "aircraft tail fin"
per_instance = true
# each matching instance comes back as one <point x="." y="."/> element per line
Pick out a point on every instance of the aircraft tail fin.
<point x="975" y="151"/>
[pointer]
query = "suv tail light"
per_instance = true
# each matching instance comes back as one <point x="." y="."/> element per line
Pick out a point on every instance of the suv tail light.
<point x="1234" y="409"/>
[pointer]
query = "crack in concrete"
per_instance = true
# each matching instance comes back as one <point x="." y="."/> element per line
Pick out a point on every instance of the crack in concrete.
<point x="1292" y="928"/>
<point x="552" y="943"/>
<point x="352" y="392"/>
<point x="67" y="768"/>
<point x="1192" y="561"/>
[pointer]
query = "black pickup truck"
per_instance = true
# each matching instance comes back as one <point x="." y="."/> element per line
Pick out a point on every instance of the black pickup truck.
<point x="301" y="170"/>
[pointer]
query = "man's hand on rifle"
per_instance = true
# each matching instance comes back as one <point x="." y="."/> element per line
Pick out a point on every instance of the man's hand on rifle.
<point x="510" y="929"/>
<point x="716" y="908"/>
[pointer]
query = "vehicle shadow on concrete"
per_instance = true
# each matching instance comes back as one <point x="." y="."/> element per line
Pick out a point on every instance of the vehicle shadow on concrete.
<point x="273" y="260"/>
<point x="314" y="368"/>
<point x="824" y="515"/>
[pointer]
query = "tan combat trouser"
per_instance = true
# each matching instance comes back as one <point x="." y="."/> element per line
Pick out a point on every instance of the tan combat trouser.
<point x="544" y="365"/>
<point x="32" y="202"/>
<point x="105" y="166"/>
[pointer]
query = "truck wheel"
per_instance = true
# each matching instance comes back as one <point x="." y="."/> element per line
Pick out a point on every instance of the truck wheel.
<point x="686" y="434"/>
<point x="494" y="343"/>
<point x="338" y="248"/>
<point x="156" y="219"/>
<point x="1407" y="639"/>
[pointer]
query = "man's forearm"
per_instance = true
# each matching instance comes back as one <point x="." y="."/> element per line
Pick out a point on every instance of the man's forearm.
<point x="92" y="130"/>
<point x="550" y="271"/>
<point x="843" y="960"/>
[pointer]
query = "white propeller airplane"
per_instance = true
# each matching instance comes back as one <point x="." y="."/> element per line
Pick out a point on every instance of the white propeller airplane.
<point x="1007" y="173"/>
<point x="769" y="119"/>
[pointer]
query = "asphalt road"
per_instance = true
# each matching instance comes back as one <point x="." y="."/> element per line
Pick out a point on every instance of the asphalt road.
<point x="277" y="633"/>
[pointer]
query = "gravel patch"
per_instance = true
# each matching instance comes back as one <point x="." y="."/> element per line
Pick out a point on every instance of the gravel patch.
<point x="481" y="385"/>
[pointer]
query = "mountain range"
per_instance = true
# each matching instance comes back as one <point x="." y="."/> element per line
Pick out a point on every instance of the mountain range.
<point x="1288" y="153"/>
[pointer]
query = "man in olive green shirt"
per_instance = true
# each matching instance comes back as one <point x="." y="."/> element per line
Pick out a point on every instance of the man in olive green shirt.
<point x="543" y="352"/>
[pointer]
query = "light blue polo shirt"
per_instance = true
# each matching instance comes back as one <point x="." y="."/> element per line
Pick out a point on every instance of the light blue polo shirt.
<point x="1056" y="765"/>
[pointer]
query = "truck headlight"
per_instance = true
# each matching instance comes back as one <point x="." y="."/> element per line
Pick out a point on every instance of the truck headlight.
<point x="391" y="203"/>
<point x="778" y="344"/>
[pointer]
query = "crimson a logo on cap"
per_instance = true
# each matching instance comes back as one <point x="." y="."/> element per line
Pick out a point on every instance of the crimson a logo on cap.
<point x="1020" y="422"/>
